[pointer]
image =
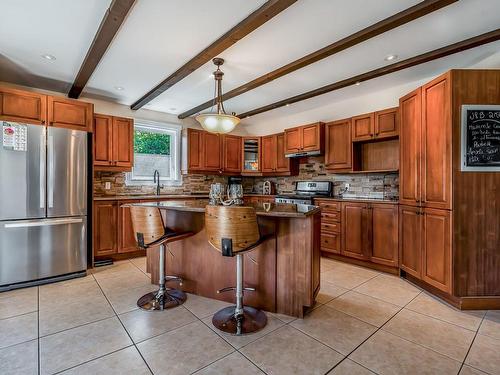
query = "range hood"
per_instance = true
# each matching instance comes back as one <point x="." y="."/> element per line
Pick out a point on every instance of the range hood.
<point x="303" y="153"/>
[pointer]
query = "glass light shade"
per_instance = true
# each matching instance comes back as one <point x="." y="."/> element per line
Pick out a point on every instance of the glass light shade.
<point x="217" y="123"/>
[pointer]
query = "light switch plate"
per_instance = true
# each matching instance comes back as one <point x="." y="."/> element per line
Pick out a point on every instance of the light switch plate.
<point x="107" y="185"/>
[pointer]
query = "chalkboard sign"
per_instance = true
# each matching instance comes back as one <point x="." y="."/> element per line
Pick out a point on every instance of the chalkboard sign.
<point x="481" y="138"/>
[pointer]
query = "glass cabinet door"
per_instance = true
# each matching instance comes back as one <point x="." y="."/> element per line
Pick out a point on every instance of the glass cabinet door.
<point x="251" y="154"/>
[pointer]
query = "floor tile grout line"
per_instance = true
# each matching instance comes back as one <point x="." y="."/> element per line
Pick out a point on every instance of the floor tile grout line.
<point x="211" y="363"/>
<point x="470" y="346"/>
<point x="17" y="316"/>
<point x="121" y="323"/>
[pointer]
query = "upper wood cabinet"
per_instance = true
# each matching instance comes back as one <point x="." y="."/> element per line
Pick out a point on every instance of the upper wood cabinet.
<point x="251" y="155"/>
<point x="410" y="108"/>
<point x="212" y="161"/>
<point x="269" y="153"/>
<point x="69" y="113"/>
<point x="231" y="153"/>
<point x="425" y="145"/>
<point x="338" y="149"/>
<point x="273" y="157"/>
<point x="284" y="164"/>
<point x="195" y="149"/>
<point x="22" y="106"/>
<point x="35" y="108"/>
<point x="113" y="143"/>
<point x="306" y="138"/>
<point x="363" y="127"/>
<point x="386" y="123"/>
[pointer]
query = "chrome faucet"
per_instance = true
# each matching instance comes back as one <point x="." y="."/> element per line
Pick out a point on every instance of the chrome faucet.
<point x="156" y="179"/>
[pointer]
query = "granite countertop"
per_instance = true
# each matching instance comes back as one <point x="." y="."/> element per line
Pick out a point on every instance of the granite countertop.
<point x="150" y="196"/>
<point x="262" y="209"/>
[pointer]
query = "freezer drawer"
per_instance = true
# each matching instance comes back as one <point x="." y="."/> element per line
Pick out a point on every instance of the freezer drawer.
<point x="36" y="249"/>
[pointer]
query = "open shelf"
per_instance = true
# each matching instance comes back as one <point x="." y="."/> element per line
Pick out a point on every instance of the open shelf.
<point x="376" y="156"/>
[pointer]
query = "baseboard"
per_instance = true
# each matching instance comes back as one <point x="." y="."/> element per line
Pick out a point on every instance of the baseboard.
<point x="358" y="262"/>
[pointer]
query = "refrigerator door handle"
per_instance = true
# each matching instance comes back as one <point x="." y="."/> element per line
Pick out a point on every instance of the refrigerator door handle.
<point x="42" y="169"/>
<point x="50" y="179"/>
<point x="42" y="223"/>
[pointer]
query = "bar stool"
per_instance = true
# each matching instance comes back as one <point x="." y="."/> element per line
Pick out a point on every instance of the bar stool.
<point x="233" y="230"/>
<point x="150" y="232"/>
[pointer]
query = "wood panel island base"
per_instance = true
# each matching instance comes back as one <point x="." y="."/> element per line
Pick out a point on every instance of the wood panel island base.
<point x="284" y="269"/>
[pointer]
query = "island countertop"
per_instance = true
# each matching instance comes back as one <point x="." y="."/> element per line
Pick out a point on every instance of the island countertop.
<point x="262" y="209"/>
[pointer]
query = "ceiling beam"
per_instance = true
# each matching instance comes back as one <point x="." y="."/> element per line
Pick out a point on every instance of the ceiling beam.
<point x="267" y="11"/>
<point x="466" y="44"/>
<point x="396" y="20"/>
<point x="111" y="22"/>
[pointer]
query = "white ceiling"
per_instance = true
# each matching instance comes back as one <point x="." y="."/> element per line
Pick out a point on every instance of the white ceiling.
<point x="159" y="36"/>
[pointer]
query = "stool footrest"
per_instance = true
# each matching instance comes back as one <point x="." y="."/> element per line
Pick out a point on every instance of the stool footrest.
<point x="174" y="278"/>
<point x="229" y="288"/>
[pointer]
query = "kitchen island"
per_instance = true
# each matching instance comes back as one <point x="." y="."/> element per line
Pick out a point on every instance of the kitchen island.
<point x="284" y="269"/>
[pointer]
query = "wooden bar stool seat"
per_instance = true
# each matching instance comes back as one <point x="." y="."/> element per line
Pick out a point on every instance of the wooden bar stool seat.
<point x="150" y="232"/>
<point x="233" y="230"/>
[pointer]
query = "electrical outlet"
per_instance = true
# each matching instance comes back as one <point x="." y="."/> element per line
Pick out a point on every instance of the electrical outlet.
<point x="347" y="186"/>
<point x="107" y="185"/>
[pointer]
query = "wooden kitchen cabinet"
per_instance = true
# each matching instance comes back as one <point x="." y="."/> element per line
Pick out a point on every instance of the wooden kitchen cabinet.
<point x="251" y="154"/>
<point x="105" y="228"/>
<point x="338" y="149"/>
<point x="269" y="154"/>
<point x="436" y="248"/>
<point x="410" y="240"/>
<point x="22" y="106"/>
<point x="273" y="157"/>
<point x="306" y="138"/>
<point x="330" y="225"/>
<point x="410" y="107"/>
<point x="284" y="164"/>
<point x="385" y="237"/>
<point x="113" y="143"/>
<point x="69" y="113"/>
<point x="356" y="233"/>
<point x="386" y="123"/>
<point x="231" y="154"/>
<point x="126" y="238"/>
<point x="195" y="149"/>
<point x="212" y="152"/>
<point x="363" y="127"/>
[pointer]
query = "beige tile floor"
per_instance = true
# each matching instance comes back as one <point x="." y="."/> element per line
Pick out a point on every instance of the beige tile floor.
<point x="364" y="322"/>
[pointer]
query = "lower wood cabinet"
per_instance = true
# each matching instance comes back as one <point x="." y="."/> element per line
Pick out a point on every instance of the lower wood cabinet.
<point x="425" y="237"/>
<point x="385" y="239"/>
<point x="126" y="237"/>
<point x="330" y="226"/>
<point x="356" y="241"/>
<point x="105" y="228"/>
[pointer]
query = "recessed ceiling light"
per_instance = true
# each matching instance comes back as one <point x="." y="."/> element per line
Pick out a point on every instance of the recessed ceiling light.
<point x="49" y="57"/>
<point x="288" y="104"/>
<point x="172" y="109"/>
<point x="391" y="57"/>
<point x="358" y="83"/>
<point x="119" y="88"/>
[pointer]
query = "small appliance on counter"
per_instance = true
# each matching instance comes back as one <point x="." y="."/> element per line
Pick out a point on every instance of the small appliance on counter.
<point x="306" y="191"/>
<point x="268" y="188"/>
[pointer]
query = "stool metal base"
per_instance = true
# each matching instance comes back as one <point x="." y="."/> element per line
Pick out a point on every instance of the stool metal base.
<point x="252" y="320"/>
<point x="161" y="300"/>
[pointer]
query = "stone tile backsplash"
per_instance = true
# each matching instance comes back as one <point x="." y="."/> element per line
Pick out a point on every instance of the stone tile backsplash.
<point x="365" y="185"/>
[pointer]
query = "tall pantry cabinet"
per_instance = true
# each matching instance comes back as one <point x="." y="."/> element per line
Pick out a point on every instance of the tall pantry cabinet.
<point x="447" y="218"/>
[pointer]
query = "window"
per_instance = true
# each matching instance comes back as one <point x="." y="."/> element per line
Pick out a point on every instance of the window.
<point x="156" y="147"/>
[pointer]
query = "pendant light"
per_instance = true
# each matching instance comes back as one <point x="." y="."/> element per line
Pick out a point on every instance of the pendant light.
<point x="218" y="122"/>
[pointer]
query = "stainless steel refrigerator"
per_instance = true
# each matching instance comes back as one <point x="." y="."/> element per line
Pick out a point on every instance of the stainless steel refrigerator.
<point x="43" y="204"/>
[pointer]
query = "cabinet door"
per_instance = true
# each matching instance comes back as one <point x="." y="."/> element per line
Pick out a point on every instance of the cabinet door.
<point x="282" y="162"/>
<point x="436" y="265"/>
<point x="387" y="123"/>
<point x="363" y="127"/>
<point x="338" y="152"/>
<point x="269" y="153"/>
<point x="251" y="155"/>
<point x="410" y="240"/>
<point x="356" y="230"/>
<point x="126" y="236"/>
<point x="123" y="142"/>
<point x="409" y="146"/>
<point x="293" y="140"/>
<point x="211" y="152"/>
<point x="330" y="243"/>
<point x="195" y="149"/>
<point x="103" y="140"/>
<point x="311" y="137"/>
<point x="71" y="114"/>
<point x="385" y="234"/>
<point x="436" y="143"/>
<point x="105" y="227"/>
<point x="22" y="106"/>
<point x="232" y="153"/>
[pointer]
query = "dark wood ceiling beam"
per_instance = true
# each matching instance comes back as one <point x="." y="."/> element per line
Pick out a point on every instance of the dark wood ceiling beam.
<point x="476" y="41"/>
<point x="396" y="20"/>
<point x="108" y="28"/>
<point x="267" y="11"/>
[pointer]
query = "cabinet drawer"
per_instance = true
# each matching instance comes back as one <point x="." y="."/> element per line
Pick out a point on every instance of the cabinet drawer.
<point x="330" y="227"/>
<point x="330" y="242"/>
<point x="329" y="206"/>
<point x="330" y="216"/>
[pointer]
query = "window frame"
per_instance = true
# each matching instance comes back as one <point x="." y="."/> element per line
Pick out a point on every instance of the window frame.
<point x="175" y="131"/>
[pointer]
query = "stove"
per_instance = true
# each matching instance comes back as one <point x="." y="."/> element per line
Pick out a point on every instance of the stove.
<point x="306" y="191"/>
